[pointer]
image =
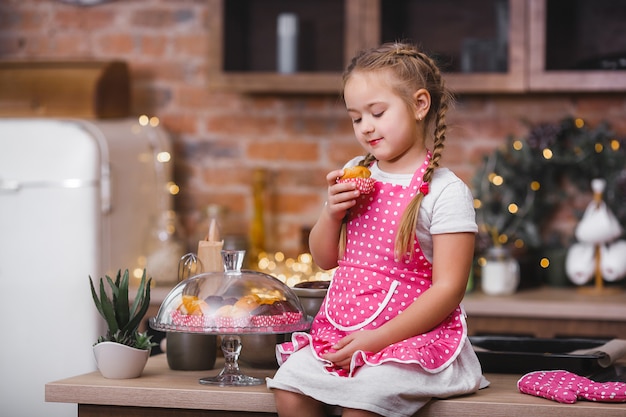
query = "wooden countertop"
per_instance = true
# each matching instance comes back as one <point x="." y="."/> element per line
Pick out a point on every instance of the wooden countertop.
<point x="160" y="389"/>
<point x="548" y="303"/>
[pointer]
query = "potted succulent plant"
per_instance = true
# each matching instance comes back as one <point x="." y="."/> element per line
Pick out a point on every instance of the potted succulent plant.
<point x="123" y="351"/>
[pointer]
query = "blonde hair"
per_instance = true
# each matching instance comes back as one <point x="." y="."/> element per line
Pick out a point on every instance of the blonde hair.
<point x="410" y="71"/>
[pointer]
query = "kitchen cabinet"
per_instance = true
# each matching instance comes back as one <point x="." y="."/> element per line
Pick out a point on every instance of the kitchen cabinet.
<point x="480" y="47"/>
<point x="242" y="43"/>
<point x="577" y="45"/>
<point x="494" y="46"/>
<point x="247" y="30"/>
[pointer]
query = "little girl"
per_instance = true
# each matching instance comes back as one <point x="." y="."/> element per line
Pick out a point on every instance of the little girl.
<point x="390" y="334"/>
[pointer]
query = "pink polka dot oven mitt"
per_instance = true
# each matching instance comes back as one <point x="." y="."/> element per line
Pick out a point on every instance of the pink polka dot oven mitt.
<point x="567" y="387"/>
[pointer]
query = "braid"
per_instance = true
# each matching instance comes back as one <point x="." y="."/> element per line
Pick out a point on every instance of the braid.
<point x="367" y="161"/>
<point x="412" y="70"/>
<point x="439" y="135"/>
<point x="405" y="238"/>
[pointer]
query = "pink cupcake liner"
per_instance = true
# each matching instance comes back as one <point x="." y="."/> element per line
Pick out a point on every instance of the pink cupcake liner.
<point x="180" y="319"/>
<point x="364" y="185"/>
<point x="293" y="317"/>
<point x="276" y="319"/>
<point x="228" y="322"/>
<point x="265" y="321"/>
<point x="232" y="323"/>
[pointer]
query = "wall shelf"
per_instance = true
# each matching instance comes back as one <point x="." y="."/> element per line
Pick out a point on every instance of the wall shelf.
<point x="466" y="39"/>
<point x="575" y="21"/>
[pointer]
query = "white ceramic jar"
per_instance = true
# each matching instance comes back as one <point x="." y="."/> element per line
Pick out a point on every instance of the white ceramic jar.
<point x="500" y="274"/>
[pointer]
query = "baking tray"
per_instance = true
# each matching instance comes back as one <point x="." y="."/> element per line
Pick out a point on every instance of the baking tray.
<point x="520" y="355"/>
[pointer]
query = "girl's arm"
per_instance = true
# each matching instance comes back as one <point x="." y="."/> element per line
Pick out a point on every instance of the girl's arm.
<point x="324" y="236"/>
<point x="452" y="259"/>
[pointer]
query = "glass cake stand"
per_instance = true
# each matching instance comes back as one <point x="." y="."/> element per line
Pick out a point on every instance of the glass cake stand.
<point x="231" y="303"/>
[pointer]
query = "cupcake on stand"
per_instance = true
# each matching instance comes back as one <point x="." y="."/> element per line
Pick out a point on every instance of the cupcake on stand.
<point x="231" y="303"/>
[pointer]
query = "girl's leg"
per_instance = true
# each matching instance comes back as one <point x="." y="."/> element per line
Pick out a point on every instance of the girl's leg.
<point x="291" y="404"/>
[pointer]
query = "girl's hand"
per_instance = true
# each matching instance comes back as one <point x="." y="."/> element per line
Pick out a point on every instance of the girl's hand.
<point x="343" y="350"/>
<point x="341" y="197"/>
<point x="325" y="234"/>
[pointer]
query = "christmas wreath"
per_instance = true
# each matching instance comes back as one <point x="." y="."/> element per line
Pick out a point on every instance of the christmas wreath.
<point x="518" y="188"/>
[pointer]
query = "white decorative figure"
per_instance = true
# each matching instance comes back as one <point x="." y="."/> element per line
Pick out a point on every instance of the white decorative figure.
<point x="579" y="264"/>
<point x="597" y="254"/>
<point x="613" y="262"/>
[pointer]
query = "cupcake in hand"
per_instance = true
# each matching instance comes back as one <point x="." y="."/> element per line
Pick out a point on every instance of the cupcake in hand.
<point x="359" y="175"/>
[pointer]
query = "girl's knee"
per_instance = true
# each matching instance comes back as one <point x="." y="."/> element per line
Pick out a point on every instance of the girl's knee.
<point x="291" y="404"/>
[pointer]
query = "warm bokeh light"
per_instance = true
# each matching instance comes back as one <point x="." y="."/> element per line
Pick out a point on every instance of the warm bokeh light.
<point x="547" y="153"/>
<point x="615" y="144"/>
<point x="164" y="156"/>
<point x="292" y="271"/>
<point x="496" y="179"/>
<point x="173" y="188"/>
<point x="535" y="185"/>
<point x="145" y="120"/>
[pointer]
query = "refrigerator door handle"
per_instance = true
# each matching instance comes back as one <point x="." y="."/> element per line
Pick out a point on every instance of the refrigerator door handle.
<point x="105" y="168"/>
<point x="9" y="185"/>
<point x="105" y="188"/>
<point x="15" y="186"/>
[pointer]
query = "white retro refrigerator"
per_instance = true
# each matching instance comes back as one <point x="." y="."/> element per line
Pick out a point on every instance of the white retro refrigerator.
<point x="78" y="198"/>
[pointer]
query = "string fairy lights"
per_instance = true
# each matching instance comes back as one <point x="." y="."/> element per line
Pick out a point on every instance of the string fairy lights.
<point x="519" y="187"/>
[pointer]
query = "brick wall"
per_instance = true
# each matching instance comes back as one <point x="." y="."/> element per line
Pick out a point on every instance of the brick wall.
<point x="221" y="138"/>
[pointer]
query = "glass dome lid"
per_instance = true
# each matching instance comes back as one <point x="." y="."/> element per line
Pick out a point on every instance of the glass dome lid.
<point x="232" y="302"/>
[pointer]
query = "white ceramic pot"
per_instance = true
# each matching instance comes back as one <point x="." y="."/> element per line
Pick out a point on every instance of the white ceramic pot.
<point x="118" y="361"/>
<point x="500" y="274"/>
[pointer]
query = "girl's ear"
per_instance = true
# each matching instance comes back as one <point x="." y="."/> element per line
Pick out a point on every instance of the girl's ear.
<point x="421" y="100"/>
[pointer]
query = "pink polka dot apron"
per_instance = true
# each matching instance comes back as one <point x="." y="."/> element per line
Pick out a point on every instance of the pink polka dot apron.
<point x="370" y="288"/>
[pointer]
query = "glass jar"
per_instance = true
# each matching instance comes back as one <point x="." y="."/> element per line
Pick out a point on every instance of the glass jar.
<point x="500" y="273"/>
<point x="165" y="248"/>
